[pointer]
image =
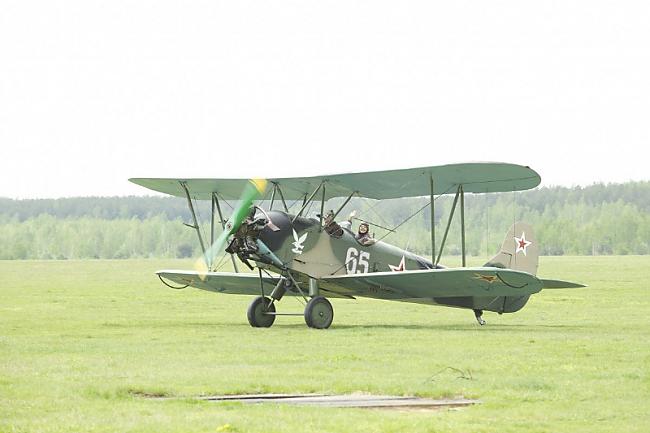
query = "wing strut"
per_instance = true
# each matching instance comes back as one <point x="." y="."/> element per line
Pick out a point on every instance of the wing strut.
<point x="278" y="190"/>
<point x="322" y="210"/>
<point x="433" y="222"/>
<point x="451" y="217"/>
<point x="215" y="204"/>
<point x="462" y="223"/>
<point x="347" y="200"/>
<point x="196" y="222"/>
<point x="275" y="187"/>
<point x="460" y="193"/>
<point x="284" y="203"/>
<point x="308" y="200"/>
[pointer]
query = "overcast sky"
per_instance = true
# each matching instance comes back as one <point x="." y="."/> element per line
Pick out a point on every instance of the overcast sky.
<point x="95" y="92"/>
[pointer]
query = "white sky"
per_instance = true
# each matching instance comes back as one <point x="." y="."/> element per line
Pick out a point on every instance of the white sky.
<point x="95" y="92"/>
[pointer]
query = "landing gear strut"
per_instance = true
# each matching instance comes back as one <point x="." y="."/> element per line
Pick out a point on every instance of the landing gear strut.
<point x="479" y="317"/>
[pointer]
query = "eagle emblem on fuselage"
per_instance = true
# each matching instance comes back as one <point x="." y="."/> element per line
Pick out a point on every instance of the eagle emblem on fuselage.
<point x="298" y="246"/>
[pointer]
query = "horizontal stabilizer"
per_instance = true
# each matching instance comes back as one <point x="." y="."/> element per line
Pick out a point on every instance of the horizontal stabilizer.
<point x="559" y="284"/>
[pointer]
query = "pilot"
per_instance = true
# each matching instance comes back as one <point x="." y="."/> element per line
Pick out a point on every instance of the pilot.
<point x="363" y="235"/>
<point x="332" y="228"/>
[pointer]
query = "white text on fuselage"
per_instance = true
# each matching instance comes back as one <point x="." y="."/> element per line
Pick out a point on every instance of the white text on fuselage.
<point x="357" y="262"/>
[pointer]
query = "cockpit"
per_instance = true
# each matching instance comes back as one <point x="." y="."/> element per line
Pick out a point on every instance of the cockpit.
<point x="336" y="230"/>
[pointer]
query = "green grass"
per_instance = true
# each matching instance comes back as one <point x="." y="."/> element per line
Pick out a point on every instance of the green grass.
<point x="82" y="341"/>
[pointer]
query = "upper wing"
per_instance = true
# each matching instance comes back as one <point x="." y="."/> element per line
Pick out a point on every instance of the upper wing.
<point x="435" y="283"/>
<point x="476" y="177"/>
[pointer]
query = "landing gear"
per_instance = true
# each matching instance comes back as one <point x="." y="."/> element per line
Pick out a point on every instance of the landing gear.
<point x="319" y="313"/>
<point x="258" y="311"/>
<point x="479" y="317"/>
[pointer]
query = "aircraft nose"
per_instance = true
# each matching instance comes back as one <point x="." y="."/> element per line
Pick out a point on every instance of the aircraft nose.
<point x="274" y="238"/>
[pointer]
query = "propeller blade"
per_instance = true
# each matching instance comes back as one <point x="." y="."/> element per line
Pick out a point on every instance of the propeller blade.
<point x="253" y="190"/>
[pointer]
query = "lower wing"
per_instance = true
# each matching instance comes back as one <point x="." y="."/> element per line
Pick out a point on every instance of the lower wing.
<point x="428" y="283"/>
<point x="222" y="282"/>
<point x="233" y="283"/>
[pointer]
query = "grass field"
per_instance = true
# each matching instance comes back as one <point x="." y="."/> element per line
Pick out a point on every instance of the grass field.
<point x="83" y="342"/>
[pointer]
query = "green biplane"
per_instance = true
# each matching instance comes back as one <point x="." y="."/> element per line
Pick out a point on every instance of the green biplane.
<point x="315" y="258"/>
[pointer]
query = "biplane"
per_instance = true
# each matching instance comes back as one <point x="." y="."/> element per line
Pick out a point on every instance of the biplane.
<point x="317" y="257"/>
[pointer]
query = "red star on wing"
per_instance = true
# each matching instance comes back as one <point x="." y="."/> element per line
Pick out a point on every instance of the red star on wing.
<point x="521" y="243"/>
<point x="398" y="268"/>
<point x="488" y="278"/>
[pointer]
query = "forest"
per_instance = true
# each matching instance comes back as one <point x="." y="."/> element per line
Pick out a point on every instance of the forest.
<point x="600" y="219"/>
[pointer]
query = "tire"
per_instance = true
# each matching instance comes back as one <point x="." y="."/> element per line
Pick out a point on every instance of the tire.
<point x="256" y="310"/>
<point x="319" y="313"/>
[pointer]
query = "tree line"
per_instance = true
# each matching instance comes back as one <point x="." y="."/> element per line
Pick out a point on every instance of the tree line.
<point x="592" y="220"/>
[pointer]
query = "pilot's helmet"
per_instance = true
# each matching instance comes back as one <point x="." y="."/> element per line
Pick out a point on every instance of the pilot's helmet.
<point x="363" y="228"/>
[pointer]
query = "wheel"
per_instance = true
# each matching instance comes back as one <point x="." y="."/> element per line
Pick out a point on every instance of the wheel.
<point x="319" y="313"/>
<point x="256" y="310"/>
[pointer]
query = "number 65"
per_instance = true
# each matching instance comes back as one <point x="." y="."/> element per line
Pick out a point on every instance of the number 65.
<point x="355" y="260"/>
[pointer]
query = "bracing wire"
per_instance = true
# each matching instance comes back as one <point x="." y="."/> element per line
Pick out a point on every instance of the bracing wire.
<point x="223" y="200"/>
<point x="428" y="203"/>
<point x="372" y="208"/>
<point x="290" y="207"/>
<point x="222" y="261"/>
<point x="379" y="202"/>
<point x="408" y="241"/>
<point x="406" y="220"/>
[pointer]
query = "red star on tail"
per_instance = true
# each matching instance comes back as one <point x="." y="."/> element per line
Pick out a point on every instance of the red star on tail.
<point x="522" y="243"/>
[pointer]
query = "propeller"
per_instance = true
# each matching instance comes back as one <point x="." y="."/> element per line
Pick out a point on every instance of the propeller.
<point x="253" y="190"/>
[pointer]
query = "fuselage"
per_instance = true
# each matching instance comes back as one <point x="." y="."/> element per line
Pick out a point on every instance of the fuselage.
<point x="303" y="245"/>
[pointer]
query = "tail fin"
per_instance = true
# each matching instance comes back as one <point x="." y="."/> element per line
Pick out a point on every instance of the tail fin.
<point x="519" y="250"/>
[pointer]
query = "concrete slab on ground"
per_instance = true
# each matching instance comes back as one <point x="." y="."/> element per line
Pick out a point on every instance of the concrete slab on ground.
<point x="347" y="400"/>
